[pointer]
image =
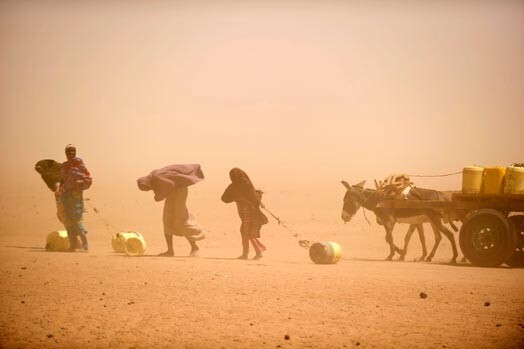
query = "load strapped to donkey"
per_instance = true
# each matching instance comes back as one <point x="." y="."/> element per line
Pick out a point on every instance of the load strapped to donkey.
<point x="491" y="208"/>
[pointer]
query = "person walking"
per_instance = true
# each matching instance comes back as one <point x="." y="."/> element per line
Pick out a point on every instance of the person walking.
<point x="74" y="179"/>
<point x="170" y="184"/>
<point x="248" y="201"/>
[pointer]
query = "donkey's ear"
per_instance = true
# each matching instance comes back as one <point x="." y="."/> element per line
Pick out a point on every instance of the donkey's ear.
<point x="345" y="184"/>
<point x="360" y="185"/>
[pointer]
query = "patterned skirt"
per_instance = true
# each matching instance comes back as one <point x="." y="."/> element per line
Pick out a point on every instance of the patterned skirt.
<point x="251" y="222"/>
<point x="73" y="210"/>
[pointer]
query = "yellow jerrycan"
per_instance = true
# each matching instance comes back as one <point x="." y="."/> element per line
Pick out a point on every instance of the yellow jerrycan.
<point x="472" y="179"/>
<point x="58" y="241"/>
<point x="514" y="182"/>
<point x="325" y="252"/>
<point x="493" y="180"/>
<point x="118" y="242"/>
<point x="131" y="243"/>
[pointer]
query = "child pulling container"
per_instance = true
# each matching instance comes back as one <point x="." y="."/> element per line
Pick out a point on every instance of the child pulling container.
<point x="248" y="200"/>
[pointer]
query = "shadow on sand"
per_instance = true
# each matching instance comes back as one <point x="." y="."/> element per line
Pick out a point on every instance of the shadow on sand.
<point x="27" y="247"/>
<point x="225" y="258"/>
<point x="123" y="255"/>
<point x="458" y="264"/>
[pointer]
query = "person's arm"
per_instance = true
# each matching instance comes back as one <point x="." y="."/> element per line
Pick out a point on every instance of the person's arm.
<point x="258" y="195"/>
<point x="85" y="179"/>
<point x="252" y="196"/>
<point x="229" y="194"/>
<point x="57" y="188"/>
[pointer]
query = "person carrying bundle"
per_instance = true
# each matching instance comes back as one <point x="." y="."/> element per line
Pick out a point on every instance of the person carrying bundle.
<point x="170" y="184"/>
<point x="249" y="201"/>
<point x="75" y="178"/>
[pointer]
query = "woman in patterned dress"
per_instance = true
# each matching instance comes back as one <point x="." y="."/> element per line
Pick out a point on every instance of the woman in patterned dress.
<point x="248" y="201"/>
<point x="75" y="178"/>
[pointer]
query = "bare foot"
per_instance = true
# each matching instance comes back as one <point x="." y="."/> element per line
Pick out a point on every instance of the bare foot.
<point x="244" y="256"/>
<point x="194" y="250"/>
<point x="258" y="256"/>
<point x="166" y="254"/>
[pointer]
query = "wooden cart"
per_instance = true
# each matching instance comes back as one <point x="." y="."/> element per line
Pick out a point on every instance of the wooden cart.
<point x="492" y="229"/>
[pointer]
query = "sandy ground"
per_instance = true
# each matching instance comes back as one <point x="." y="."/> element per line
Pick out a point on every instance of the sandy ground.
<point x="101" y="299"/>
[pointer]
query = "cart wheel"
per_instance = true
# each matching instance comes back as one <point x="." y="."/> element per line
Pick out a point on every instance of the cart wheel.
<point x="517" y="258"/>
<point x="487" y="238"/>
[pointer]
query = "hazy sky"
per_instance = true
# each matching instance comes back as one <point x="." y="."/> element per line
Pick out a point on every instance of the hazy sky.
<point x="295" y="92"/>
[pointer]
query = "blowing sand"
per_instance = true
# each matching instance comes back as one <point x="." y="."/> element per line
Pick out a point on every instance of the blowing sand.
<point x="101" y="299"/>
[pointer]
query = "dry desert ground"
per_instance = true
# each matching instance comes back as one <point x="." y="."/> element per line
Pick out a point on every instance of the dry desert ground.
<point x="102" y="299"/>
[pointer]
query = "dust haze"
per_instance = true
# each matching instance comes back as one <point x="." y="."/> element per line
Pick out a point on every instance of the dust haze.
<point x="300" y="95"/>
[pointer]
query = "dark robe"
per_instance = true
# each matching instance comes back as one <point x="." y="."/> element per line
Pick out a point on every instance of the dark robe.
<point x="248" y="200"/>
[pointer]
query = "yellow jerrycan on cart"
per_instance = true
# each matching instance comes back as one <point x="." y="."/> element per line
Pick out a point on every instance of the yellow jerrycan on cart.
<point x="514" y="182"/>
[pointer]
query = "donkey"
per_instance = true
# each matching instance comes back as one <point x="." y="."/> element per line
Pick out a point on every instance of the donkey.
<point x="356" y="196"/>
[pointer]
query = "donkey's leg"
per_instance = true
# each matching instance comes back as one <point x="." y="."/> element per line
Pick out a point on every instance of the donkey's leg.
<point x="389" y="240"/>
<point x="451" y="238"/>
<point x="422" y="237"/>
<point x="409" y="233"/>
<point x="438" y="237"/>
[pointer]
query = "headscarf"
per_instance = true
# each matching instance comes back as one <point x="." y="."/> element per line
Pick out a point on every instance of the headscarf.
<point x="164" y="180"/>
<point x="242" y="189"/>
